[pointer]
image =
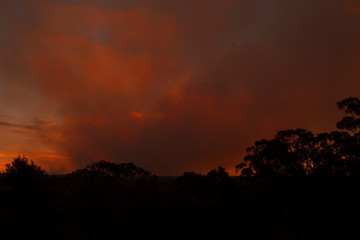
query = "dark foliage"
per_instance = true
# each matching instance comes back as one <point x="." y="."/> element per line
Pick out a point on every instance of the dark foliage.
<point x="23" y="171"/>
<point x="351" y="121"/>
<point x="109" y="169"/>
<point x="190" y="206"/>
<point x="298" y="152"/>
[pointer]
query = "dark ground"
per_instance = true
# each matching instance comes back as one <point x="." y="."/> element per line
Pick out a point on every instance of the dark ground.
<point x="187" y="207"/>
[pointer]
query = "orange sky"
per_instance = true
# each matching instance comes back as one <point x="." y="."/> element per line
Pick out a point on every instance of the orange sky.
<point x="172" y="86"/>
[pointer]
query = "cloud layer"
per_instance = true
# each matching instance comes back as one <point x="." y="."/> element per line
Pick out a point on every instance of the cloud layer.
<point x="176" y="86"/>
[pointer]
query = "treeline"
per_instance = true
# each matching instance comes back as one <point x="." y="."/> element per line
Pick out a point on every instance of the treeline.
<point x="295" y="186"/>
<point x="126" y="202"/>
<point x="299" y="152"/>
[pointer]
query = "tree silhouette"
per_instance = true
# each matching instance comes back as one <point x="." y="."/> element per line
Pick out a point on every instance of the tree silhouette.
<point x="22" y="170"/>
<point x="25" y="199"/>
<point x="351" y="144"/>
<point x="289" y="153"/>
<point x="328" y="152"/>
<point x="297" y="152"/>
<point x="104" y="168"/>
<point x="218" y="175"/>
<point x="351" y="122"/>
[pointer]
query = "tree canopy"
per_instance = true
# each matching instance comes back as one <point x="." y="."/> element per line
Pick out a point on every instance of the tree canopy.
<point x="23" y="170"/>
<point x="299" y="152"/>
<point x="104" y="168"/>
<point x="351" y="121"/>
<point x="21" y="166"/>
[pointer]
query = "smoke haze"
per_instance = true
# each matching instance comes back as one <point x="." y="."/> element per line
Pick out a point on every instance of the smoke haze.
<point x="172" y="86"/>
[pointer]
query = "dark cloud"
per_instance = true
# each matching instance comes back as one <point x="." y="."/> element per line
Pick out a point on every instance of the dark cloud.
<point x="37" y="125"/>
<point x="7" y="124"/>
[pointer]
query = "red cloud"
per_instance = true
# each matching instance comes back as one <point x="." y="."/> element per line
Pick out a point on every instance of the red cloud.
<point x="175" y="87"/>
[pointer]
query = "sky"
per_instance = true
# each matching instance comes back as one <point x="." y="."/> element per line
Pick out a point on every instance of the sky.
<point x="170" y="85"/>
